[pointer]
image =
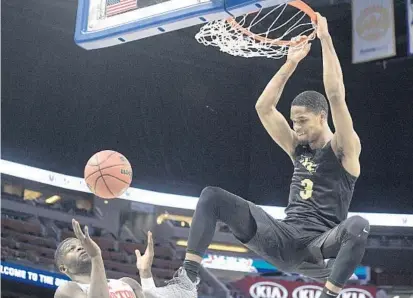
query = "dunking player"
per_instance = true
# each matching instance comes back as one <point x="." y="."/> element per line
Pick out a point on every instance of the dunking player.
<point x="326" y="167"/>
<point x="81" y="260"/>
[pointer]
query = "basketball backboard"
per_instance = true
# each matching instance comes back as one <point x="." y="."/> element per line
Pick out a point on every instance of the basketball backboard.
<point x="105" y="23"/>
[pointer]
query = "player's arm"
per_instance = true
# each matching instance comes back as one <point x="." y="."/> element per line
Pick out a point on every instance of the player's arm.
<point x="345" y="139"/>
<point x="144" y="264"/>
<point x="136" y="287"/>
<point x="69" y="290"/>
<point x="98" y="284"/>
<point x="272" y="120"/>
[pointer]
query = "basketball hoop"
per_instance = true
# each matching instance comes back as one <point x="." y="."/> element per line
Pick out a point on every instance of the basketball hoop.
<point x="267" y="32"/>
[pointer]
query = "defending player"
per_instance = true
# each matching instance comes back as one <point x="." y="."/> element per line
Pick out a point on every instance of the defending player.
<point x="81" y="260"/>
<point x="326" y="167"/>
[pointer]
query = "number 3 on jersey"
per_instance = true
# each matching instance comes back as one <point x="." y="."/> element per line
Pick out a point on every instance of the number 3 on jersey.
<point x="308" y="189"/>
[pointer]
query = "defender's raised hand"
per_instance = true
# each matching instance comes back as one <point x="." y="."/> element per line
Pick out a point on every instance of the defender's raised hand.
<point x="144" y="262"/>
<point x="90" y="246"/>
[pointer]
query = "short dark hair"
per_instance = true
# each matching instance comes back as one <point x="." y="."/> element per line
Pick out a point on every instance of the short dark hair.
<point x="60" y="250"/>
<point x="312" y="100"/>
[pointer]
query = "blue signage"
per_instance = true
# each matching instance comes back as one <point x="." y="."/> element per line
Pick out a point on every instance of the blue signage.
<point x="32" y="276"/>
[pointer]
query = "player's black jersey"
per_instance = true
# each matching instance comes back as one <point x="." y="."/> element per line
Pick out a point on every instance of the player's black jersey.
<point x="321" y="189"/>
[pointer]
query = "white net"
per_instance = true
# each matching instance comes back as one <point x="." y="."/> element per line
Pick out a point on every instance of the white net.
<point x="265" y="33"/>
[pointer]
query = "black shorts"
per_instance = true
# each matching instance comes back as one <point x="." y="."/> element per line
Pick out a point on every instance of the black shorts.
<point x="291" y="248"/>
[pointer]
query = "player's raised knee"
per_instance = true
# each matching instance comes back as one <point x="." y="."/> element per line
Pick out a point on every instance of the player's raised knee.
<point x="358" y="227"/>
<point x="359" y="221"/>
<point x="209" y="194"/>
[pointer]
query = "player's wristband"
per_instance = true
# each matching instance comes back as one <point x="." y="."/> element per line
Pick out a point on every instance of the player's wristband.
<point x="147" y="283"/>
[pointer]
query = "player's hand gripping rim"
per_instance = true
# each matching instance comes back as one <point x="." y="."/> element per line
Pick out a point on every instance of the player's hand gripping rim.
<point x="90" y="246"/>
<point x="322" y="27"/>
<point x="300" y="51"/>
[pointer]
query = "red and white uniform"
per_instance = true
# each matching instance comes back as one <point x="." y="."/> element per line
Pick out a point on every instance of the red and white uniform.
<point x="117" y="289"/>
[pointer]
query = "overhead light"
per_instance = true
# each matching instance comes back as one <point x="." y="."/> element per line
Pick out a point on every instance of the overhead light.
<point x="12" y="189"/>
<point x="163" y="217"/>
<point x="52" y="199"/>
<point x="216" y="246"/>
<point x="29" y="194"/>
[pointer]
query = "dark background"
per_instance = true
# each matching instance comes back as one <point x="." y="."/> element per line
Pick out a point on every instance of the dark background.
<point x="184" y="114"/>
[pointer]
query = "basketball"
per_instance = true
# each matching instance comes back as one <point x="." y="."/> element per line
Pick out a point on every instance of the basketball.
<point x="108" y="174"/>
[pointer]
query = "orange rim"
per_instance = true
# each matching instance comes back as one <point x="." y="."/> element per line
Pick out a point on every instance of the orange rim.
<point x="297" y="4"/>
